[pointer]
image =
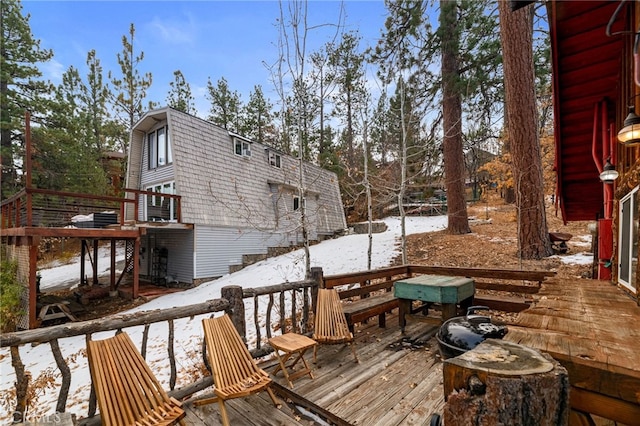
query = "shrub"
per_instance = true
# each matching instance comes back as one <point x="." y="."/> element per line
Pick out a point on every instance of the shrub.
<point x="10" y="291"/>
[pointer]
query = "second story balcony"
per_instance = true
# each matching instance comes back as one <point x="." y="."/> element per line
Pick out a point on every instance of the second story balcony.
<point x="41" y="208"/>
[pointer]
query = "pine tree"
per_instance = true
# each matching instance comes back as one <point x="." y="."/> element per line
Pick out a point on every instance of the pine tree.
<point x="76" y="135"/>
<point x="468" y="86"/>
<point x="347" y="63"/>
<point x="257" y="121"/>
<point x="20" y="88"/>
<point x="180" y="96"/>
<point x="516" y="30"/>
<point x="225" y="105"/>
<point x="130" y="89"/>
<point x="458" y="222"/>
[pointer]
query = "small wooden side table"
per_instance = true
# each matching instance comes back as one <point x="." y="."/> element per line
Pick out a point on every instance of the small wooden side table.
<point x="292" y="345"/>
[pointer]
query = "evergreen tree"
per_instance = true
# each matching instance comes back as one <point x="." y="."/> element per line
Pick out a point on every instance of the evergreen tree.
<point x="347" y="64"/>
<point x="101" y="130"/>
<point x="130" y="89"/>
<point x="468" y="86"/>
<point x="305" y="107"/>
<point x="225" y="105"/>
<point x="20" y="88"/>
<point x="78" y="132"/>
<point x="458" y="220"/>
<point x="516" y="30"/>
<point x="180" y="96"/>
<point x="323" y="77"/>
<point x="380" y="133"/>
<point x="258" y="118"/>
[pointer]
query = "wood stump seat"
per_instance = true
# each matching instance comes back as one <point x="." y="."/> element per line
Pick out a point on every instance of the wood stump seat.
<point x="128" y="392"/>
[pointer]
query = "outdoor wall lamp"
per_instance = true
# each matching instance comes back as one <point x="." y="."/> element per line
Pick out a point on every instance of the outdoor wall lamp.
<point x="629" y="135"/>
<point x="609" y="173"/>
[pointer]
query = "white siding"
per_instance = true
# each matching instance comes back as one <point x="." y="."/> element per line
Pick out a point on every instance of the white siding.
<point x="219" y="248"/>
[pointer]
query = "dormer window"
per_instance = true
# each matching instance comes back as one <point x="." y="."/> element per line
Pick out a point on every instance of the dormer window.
<point x="159" y="148"/>
<point x="242" y="147"/>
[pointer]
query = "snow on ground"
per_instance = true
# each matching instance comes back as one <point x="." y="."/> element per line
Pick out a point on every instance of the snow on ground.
<point x="58" y="276"/>
<point x="582" y="258"/>
<point x="342" y="255"/>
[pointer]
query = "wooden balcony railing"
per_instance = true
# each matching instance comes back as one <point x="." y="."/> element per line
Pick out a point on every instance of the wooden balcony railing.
<point x="33" y="207"/>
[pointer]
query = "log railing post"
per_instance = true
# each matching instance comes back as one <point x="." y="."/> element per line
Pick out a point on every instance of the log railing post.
<point x="318" y="276"/>
<point x="233" y="293"/>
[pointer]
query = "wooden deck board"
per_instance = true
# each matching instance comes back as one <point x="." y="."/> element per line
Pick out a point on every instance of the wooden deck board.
<point x="597" y="348"/>
<point x="352" y="391"/>
<point x="387" y="387"/>
<point x="590" y="326"/>
<point x="415" y="408"/>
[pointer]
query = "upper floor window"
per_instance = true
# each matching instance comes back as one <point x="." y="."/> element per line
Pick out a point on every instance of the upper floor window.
<point x="274" y="159"/>
<point x="241" y="147"/>
<point x="296" y="203"/>
<point x="159" y="148"/>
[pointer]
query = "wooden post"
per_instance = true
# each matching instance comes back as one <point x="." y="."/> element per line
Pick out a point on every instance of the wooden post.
<point x="233" y="293"/>
<point x="500" y="382"/>
<point x="82" y="254"/>
<point x="95" y="262"/>
<point x="33" y="243"/>
<point x="112" y="277"/>
<point x="318" y="276"/>
<point x="136" y="267"/>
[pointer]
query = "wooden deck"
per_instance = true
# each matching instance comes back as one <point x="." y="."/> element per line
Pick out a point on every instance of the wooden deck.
<point x="593" y="329"/>
<point x="397" y="382"/>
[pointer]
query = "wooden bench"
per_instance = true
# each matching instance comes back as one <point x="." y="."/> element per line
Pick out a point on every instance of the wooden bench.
<point x="128" y="393"/>
<point x="362" y="309"/>
<point x="367" y="300"/>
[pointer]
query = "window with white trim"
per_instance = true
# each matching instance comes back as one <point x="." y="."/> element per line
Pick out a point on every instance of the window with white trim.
<point x="296" y="203"/>
<point x="629" y="218"/>
<point x="242" y="147"/>
<point x="159" y="208"/>
<point x="159" y="148"/>
<point x="275" y="159"/>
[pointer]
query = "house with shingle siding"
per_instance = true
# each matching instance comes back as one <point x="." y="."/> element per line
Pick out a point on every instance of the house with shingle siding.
<point x="236" y="197"/>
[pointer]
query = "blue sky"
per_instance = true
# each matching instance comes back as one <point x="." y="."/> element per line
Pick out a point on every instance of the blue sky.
<point x="230" y="39"/>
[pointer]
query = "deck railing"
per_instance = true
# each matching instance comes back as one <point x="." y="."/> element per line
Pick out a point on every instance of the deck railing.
<point x="288" y="307"/>
<point x="34" y="207"/>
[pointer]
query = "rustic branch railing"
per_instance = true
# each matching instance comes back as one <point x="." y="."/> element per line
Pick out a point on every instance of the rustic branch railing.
<point x="290" y="316"/>
<point x="52" y="334"/>
<point x="288" y="308"/>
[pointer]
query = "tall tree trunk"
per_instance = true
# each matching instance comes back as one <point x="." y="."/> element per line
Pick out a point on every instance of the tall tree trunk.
<point x="516" y="33"/>
<point x="452" y="121"/>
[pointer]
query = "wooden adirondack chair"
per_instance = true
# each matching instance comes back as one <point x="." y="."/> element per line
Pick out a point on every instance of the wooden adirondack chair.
<point x="330" y="322"/>
<point x="235" y="373"/>
<point x="128" y="393"/>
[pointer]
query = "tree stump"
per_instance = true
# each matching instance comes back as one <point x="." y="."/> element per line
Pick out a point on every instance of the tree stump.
<point x="503" y="383"/>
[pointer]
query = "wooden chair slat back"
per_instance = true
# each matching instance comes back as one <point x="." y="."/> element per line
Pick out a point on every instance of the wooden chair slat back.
<point x="231" y="361"/>
<point x="330" y="322"/>
<point x="127" y="390"/>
